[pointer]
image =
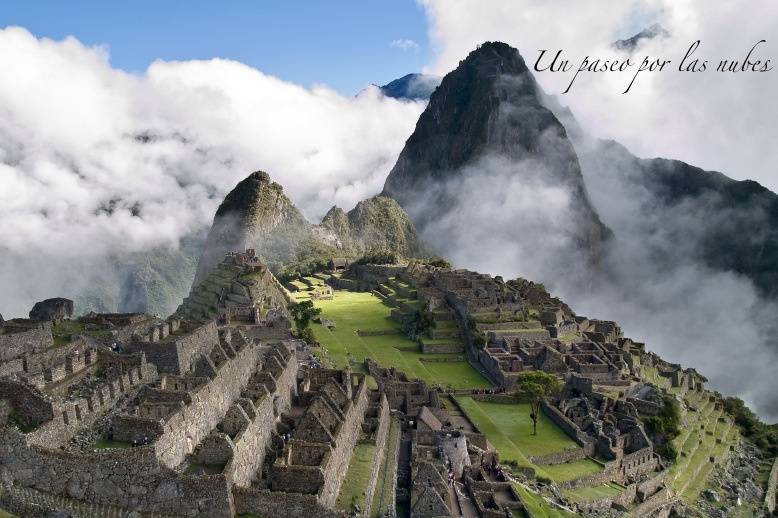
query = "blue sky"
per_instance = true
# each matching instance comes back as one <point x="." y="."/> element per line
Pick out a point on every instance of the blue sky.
<point x="343" y="44"/>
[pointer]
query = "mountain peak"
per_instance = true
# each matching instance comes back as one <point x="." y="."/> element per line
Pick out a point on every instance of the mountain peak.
<point x="413" y="87"/>
<point x="489" y="119"/>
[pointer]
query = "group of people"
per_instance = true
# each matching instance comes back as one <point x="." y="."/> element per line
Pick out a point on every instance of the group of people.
<point x="498" y="390"/>
<point x="140" y="442"/>
<point x="494" y="469"/>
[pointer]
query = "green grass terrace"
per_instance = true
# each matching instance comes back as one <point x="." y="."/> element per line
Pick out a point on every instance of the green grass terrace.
<point x="357" y="315"/>
<point x="509" y="428"/>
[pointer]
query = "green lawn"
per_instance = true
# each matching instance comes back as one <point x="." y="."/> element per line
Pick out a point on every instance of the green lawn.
<point x="509" y="429"/>
<point x="105" y="444"/>
<point x="590" y="494"/>
<point x="352" y="311"/>
<point x="572" y="470"/>
<point x="511" y="425"/>
<point x="538" y="506"/>
<point x="352" y="491"/>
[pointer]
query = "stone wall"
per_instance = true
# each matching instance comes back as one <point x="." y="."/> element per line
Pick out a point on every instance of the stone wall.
<point x="650" y="486"/>
<point x="262" y="502"/>
<point x="560" y="457"/>
<point x="347" y="438"/>
<point x="770" y="493"/>
<point x="569" y="427"/>
<point x="452" y="348"/>
<point x="71" y="415"/>
<point x="249" y="451"/>
<point x="27" y="403"/>
<point x="381" y="433"/>
<point x="178" y="355"/>
<point x="210" y="402"/>
<point x="35" y="339"/>
<point x="130" y="478"/>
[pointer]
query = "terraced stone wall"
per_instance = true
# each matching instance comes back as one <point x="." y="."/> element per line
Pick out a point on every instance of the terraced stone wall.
<point x="210" y="402"/>
<point x="130" y="478"/>
<point x="34" y="340"/>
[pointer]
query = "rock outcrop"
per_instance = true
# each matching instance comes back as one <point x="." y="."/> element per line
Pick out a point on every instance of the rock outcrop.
<point x="490" y="106"/>
<point x="57" y="308"/>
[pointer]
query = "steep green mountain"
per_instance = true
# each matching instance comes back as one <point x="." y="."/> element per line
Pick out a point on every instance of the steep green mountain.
<point x="490" y="106"/>
<point x="257" y="214"/>
<point x="378" y="223"/>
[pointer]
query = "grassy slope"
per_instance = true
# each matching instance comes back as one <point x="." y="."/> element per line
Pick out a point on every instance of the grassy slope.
<point x="538" y="506"/>
<point x="352" y="311"/>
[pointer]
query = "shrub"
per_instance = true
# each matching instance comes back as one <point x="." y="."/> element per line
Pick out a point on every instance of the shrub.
<point x="763" y="435"/>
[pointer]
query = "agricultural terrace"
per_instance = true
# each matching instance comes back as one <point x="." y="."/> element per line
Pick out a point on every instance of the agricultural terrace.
<point x="358" y="316"/>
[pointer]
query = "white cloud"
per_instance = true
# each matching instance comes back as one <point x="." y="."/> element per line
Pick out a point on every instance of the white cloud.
<point x="724" y="122"/>
<point x="404" y="44"/>
<point x="95" y="161"/>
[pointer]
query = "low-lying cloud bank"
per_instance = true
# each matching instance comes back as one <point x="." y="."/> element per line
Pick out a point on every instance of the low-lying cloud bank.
<point x="96" y="163"/>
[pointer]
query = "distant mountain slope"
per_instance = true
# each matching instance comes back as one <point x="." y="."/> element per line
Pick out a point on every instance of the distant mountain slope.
<point x="257" y="214"/>
<point x="729" y="225"/>
<point x="649" y="33"/>
<point x="490" y="106"/>
<point x="411" y="86"/>
<point x="378" y="223"/>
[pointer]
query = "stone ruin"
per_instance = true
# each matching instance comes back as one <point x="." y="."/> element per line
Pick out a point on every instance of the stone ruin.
<point x="217" y="410"/>
<point x="195" y="415"/>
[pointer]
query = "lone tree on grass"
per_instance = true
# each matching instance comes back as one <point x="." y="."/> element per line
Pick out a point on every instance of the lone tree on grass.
<point x="536" y="386"/>
<point x="302" y="314"/>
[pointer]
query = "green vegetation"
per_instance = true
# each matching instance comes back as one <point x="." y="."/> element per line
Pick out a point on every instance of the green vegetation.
<point x="509" y="429"/>
<point x="433" y="261"/>
<point x="538" y="506"/>
<point x="707" y="434"/>
<point x="763" y="435"/>
<point x="379" y="257"/>
<point x="302" y="314"/>
<point x="588" y="494"/>
<point x="665" y="427"/>
<point x="572" y="470"/>
<point x="107" y="444"/>
<point x="358" y="311"/>
<point x="537" y="386"/>
<point x="64" y="331"/>
<point x="352" y="491"/>
<point x="421" y="323"/>
<point x="20" y="423"/>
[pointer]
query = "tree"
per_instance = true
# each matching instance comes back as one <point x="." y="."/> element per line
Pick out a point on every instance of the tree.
<point x="302" y="314"/>
<point x="537" y="386"/>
